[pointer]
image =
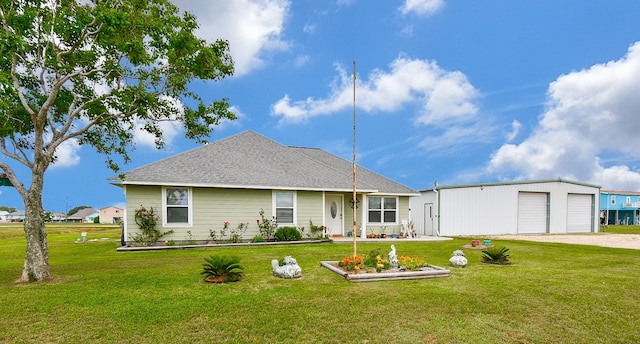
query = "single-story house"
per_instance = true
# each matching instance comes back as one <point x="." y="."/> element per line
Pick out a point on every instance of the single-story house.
<point x="58" y="217"/>
<point x="85" y="215"/>
<point x="3" y="215"/>
<point x="16" y="216"/>
<point x="523" y="207"/>
<point x="233" y="179"/>
<point x="111" y="214"/>
<point x="619" y="207"/>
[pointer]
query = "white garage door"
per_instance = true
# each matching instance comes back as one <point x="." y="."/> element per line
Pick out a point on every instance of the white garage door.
<point x="579" y="213"/>
<point x="533" y="212"/>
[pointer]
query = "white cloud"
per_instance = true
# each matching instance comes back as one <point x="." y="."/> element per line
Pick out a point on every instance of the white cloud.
<point x="443" y="97"/>
<point x="515" y="130"/>
<point x="170" y="129"/>
<point x="300" y="61"/>
<point x="252" y="27"/>
<point x="456" y="138"/>
<point x="422" y="7"/>
<point x="590" y="113"/>
<point x="67" y="154"/>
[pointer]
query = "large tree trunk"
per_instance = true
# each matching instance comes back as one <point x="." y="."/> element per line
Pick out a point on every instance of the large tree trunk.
<point x="36" y="260"/>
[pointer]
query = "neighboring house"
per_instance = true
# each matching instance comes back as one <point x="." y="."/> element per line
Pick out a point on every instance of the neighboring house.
<point x="111" y="214"/>
<point x="529" y="207"/>
<point x="86" y="215"/>
<point x="16" y="216"/>
<point x="619" y="207"/>
<point x="58" y="217"/>
<point x="3" y="215"/>
<point x="234" y="178"/>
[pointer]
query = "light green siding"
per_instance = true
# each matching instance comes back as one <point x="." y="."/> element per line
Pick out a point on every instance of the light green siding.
<point x="310" y="207"/>
<point x="211" y="207"/>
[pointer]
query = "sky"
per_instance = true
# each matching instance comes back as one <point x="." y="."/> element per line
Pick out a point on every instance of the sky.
<point x="456" y="92"/>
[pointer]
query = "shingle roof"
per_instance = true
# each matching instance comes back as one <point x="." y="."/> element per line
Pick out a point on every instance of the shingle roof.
<point x="250" y="160"/>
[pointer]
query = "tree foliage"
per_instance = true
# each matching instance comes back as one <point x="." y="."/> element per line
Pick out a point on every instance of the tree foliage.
<point x="96" y="72"/>
<point x="77" y="209"/>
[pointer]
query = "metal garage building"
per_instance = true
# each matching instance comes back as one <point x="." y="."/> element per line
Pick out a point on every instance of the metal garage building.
<point x="525" y="207"/>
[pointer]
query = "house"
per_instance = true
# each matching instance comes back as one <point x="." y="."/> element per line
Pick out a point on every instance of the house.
<point x="58" y="217"/>
<point x="235" y="178"/>
<point x="525" y="207"/>
<point x="111" y="214"/>
<point x="85" y="215"/>
<point x="16" y="216"/>
<point x="619" y="207"/>
<point x="3" y="215"/>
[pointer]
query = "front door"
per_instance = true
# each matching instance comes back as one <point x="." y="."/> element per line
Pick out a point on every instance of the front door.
<point x="333" y="214"/>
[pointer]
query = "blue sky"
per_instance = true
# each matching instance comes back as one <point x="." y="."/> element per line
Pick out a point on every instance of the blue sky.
<point x="454" y="91"/>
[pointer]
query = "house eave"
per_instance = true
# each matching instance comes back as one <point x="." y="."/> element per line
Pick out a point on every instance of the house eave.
<point x="256" y="187"/>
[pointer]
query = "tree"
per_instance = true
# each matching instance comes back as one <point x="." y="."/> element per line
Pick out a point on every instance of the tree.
<point x="8" y="209"/>
<point x="95" y="72"/>
<point x="77" y="209"/>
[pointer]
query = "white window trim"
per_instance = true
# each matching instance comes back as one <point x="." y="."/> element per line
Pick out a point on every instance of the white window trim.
<point x="189" y="207"/>
<point x="382" y="209"/>
<point x="295" y="207"/>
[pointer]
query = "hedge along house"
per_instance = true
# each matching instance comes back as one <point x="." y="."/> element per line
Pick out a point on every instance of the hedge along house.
<point x="619" y="207"/>
<point x="235" y="178"/>
<point x="528" y="207"/>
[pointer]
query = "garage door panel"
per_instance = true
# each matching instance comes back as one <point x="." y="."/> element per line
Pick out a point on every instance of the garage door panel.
<point x="579" y="213"/>
<point x="533" y="212"/>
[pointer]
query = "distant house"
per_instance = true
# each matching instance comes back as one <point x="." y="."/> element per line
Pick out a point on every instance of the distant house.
<point x="521" y="207"/>
<point x="58" y="217"/>
<point x="111" y="214"/>
<point x="85" y="215"/>
<point x="234" y="178"/>
<point x="3" y="215"/>
<point x="16" y="216"/>
<point x="620" y="207"/>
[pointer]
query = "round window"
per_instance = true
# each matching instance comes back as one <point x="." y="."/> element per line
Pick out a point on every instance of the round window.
<point x="334" y="209"/>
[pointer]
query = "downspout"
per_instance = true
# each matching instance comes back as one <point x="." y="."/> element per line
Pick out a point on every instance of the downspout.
<point x="438" y="211"/>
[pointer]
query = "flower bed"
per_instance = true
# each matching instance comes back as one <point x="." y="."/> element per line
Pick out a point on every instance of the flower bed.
<point x="393" y="274"/>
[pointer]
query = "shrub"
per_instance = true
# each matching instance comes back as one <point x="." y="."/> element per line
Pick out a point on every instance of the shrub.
<point x="147" y="221"/>
<point x="258" y="238"/>
<point x="496" y="255"/>
<point x="288" y="234"/>
<point x="220" y="269"/>
<point x="266" y="227"/>
<point x="316" y="230"/>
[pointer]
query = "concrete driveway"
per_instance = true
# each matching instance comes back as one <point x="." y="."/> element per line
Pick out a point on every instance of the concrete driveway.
<point x="631" y="241"/>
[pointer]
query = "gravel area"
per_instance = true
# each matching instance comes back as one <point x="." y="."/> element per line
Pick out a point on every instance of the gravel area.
<point x="631" y="241"/>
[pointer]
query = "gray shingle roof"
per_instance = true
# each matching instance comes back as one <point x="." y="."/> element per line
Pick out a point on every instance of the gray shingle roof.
<point x="250" y="160"/>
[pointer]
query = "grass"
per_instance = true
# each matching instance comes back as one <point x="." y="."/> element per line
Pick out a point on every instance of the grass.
<point x="553" y="293"/>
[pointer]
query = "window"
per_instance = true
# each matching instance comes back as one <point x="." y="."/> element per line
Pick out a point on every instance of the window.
<point x="383" y="209"/>
<point x="177" y="206"/>
<point x="285" y="202"/>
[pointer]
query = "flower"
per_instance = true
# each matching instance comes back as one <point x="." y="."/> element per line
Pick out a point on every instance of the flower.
<point x="351" y="263"/>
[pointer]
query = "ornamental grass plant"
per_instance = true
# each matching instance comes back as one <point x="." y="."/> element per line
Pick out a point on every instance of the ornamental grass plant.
<point x="552" y="293"/>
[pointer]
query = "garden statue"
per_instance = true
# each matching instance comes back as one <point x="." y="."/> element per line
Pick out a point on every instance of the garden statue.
<point x="393" y="258"/>
<point x="458" y="259"/>
<point x="290" y="269"/>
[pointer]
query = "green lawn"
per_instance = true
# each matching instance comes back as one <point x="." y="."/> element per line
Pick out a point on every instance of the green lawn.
<point x="553" y="293"/>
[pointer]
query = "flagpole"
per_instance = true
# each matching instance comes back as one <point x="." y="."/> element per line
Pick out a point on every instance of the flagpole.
<point x="354" y="196"/>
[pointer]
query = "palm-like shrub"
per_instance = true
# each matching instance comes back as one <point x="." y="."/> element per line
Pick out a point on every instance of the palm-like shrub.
<point x="220" y="269"/>
<point x="496" y="255"/>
